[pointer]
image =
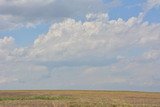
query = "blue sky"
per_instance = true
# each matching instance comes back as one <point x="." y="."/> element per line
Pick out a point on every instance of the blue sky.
<point x="82" y="44"/>
<point x="29" y="34"/>
<point x="124" y="10"/>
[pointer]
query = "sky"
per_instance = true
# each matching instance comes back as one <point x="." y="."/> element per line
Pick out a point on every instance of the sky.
<point x="80" y="44"/>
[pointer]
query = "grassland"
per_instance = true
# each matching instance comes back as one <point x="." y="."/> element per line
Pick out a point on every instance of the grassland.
<point x="78" y="99"/>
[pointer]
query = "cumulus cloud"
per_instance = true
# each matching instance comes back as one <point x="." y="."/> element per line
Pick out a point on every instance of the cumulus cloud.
<point x="152" y="3"/>
<point x="19" y="13"/>
<point x="6" y="46"/>
<point x="94" y="38"/>
<point x="99" y="50"/>
<point x="102" y="40"/>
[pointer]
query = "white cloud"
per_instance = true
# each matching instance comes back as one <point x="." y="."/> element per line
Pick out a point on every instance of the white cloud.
<point x="6" y="41"/>
<point x="99" y="37"/>
<point x="104" y="52"/>
<point x="6" y="46"/>
<point x="131" y="72"/>
<point x="20" y="13"/>
<point x="150" y="4"/>
<point x="21" y="71"/>
<point x="24" y="2"/>
<point x="152" y="54"/>
<point x="98" y="49"/>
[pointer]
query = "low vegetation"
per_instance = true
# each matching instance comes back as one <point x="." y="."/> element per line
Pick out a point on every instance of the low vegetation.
<point x="78" y="99"/>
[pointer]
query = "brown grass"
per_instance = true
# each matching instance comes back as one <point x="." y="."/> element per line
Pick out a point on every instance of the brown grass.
<point x="78" y="99"/>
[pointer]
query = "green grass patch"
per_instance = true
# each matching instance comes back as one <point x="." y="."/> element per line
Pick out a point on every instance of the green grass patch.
<point x="37" y="98"/>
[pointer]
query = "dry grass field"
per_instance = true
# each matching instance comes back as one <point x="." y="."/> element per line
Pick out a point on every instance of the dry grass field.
<point x="78" y="99"/>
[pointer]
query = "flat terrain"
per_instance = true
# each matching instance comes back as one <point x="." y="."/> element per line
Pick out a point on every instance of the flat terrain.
<point x="78" y="99"/>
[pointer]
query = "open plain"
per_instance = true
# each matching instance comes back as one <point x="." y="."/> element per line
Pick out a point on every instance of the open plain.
<point x="71" y="98"/>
